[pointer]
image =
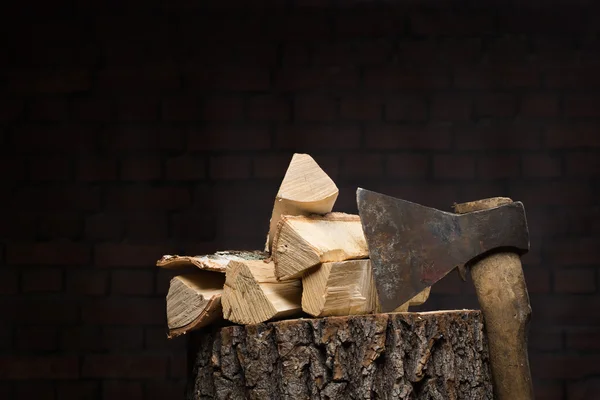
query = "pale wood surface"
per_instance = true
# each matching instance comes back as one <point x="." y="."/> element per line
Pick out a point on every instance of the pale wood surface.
<point x="194" y="301"/>
<point x="252" y="294"/>
<point x="301" y="242"/>
<point x="339" y="288"/>
<point x="212" y="262"/>
<point x="419" y="299"/>
<point x="305" y="189"/>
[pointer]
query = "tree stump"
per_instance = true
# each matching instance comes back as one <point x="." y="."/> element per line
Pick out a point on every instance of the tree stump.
<point x="431" y="355"/>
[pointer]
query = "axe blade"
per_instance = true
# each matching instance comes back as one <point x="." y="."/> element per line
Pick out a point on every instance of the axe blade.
<point x="412" y="246"/>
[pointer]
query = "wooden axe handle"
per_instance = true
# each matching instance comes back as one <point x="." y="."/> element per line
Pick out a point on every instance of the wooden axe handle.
<point x="504" y="301"/>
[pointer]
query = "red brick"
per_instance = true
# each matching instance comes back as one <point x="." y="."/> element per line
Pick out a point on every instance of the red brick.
<point x="87" y="282"/>
<point x="148" y="198"/>
<point x="460" y="50"/>
<point x="508" y="49"/>
<point x="78" y="390"/>
<point x="315" y="108"/>
<point x="48" y="109"/>
<point x="583" y="339"/>
<point x="452" y="24"/>
<point x="185" y="226"/>
<point x="539" y="105"/>
<point x="573" y="76"/>
<point x="369" y="23"/>
<point x="48" y="253"/>
<point x="165" y="390"/>
<point x="498" y="166"/>
<point x="42" y="280"/>
<point x="572" y="251"/>
<point x="295" y="53"/>
<point x="50" y="168"/>
<point x="11" y="108"/>
<point x="141" y="169"/>
<point x="60" y="225"/>
<point x="297" y="78"/>
<point x="402" y="108"/>
<point x="413" y="137"/>
<point x="551" y="366"/>
<point x="453" y="167"/>
<point x="127" y="255"/>
<point x="230" y="167"/>
<point x="572" y="135"/>
<point x="91" y="169"/>
<point x="541" y="165"/>
<point x="92" y="109"/>
<point x="583" y="164"/>
<point x="178" y="366"/>
<point x="103" y="226"/>
<point x="553" y="193"/>
<point x="533" y="258"/>
<point x="537" y="279"/>
<point x="38" y="390"/>
<point x="9" y="281"/>
<point x="37" y="367"/>
<point x="356" y="166"/>
<point x="583" y="389"/>
<point x="270" y="165"/>
<point x="146" y="226"/>
<point x="120" y="311"/>
<point x="46" y="310"/>
<point x="124" y="366"/>
<point x="575" y="281"/>
<point x="138" y="108"/>
<point x="120" y="338"/>
<point x="361" y="108"/>
<point x="254" y="53"/>
<point x="451" y="107"/>
<point x="37" y="338"/>
<point x="338" y="53"/>
<point x="318" y="136"/>
<point x="48" y="81"/>
<point x="496" y="77"/>
<point x="536" y="20"/>
<point x="548" y="389"/>
<point x="122" y="390"/>
<point x="417" y="52"/>
<point x="146" y="78"/>
<point x="156" y="339"/>
<point x="546" y="339"/>
<point x="408" y="166"/>
<point x="498" y="136"/>
<point x="582" y="105"/>
<point x="163" y="279"/>
<point x="81" y="338"/>
<point x="61" y="138"/>
<point x="132" y="282"/>
<point x="397" y="78"/>
<point x="12" y="169"/>
<point x="142" y="136"/>
<point x="564" y="220"/>
<point x="228" y="78"/>
<point x="269" y="108"/>
<point x="185" y="168"/>
<point x="495" y="105"/>
<point x="298" y="26"/>
<point x="213" y="108"/>
<point x="229" y="137"/>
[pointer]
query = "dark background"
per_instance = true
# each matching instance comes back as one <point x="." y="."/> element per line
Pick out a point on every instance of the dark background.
<point x="129" y="132"/>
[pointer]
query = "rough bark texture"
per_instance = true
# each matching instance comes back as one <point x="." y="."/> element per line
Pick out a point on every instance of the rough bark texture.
<point x="437" y="355"/>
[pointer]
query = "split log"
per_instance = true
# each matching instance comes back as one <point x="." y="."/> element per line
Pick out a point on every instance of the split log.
<point x="339" y="288"/>
<point x="212" y="262"/>
<point x="435" y="355"/>
<point x="252" y="294"/>
<point x="301" y="243"/>
<point x="194" y="301"/>
<point x="305" y="189"/>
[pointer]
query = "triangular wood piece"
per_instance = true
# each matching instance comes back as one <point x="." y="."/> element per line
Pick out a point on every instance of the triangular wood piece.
<point x="305" y="189"/>
<point x="419" y="299"/>
<point x="339" y="288"/>
<point x="252" y="294"/>
<point x="194" y="301"/>
<point x="212" y="262"/>
<point x="301" y="243"/>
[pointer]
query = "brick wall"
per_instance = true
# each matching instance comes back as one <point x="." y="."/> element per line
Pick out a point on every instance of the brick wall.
<point x="127" y="134"/>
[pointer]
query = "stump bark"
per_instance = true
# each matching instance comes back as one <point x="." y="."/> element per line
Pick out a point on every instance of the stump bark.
<point x="433" y="355"/>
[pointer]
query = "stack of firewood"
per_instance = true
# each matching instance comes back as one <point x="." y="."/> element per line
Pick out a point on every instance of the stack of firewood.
<point x="315" y="263"/>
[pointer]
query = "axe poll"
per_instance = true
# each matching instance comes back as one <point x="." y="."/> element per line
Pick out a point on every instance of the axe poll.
<point x="411" y="247"/>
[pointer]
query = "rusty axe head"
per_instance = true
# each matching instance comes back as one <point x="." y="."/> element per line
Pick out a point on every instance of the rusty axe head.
<point x="412" y="246"/>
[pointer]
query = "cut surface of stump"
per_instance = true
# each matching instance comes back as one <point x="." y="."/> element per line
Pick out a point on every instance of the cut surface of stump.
<point x="194" y="301"/>
<point x="302" y="242"/>
<point x="251" y="293"/>
<point x="339" y="288"/>
<point x="211" y="262"/>
<point x="435" y="355"/>
<point x="305" y="189"/>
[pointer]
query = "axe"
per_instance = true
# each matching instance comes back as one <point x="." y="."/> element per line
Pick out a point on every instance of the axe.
<point x="411" y="247"/>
